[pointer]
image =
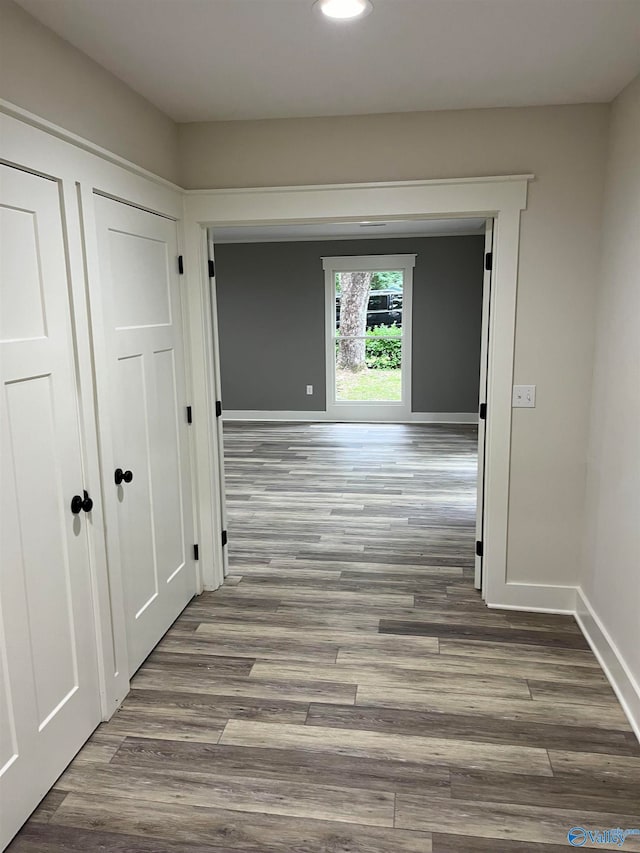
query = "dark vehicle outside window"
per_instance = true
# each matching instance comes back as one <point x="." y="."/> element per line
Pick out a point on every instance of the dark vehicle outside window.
<point x="384" y="308"/>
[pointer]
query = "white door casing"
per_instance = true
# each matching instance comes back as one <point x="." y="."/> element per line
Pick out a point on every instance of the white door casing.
<point x="501" y="197"/>
<point x="479" y="580"/>
<point x="49" y="691"/>
<point x="341" y="410"/>
<point x="143" y="389"/>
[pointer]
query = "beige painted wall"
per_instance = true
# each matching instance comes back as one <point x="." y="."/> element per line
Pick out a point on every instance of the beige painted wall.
<point x="44" y="74"/>
<point x="612" y="533"/>
<point x="566" y="149"/>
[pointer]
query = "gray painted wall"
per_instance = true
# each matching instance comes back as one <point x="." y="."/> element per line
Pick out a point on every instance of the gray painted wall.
<point x="271" y="318"/>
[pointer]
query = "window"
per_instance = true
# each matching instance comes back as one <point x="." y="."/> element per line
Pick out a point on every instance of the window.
<point x="368" y="335"/>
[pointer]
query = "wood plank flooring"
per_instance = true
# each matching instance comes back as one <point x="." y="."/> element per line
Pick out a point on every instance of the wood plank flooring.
<point x="347" y="691"/>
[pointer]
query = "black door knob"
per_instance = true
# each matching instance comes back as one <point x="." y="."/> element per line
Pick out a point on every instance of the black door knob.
<point x="81" y="502"/>
<point x="121" y="476"/>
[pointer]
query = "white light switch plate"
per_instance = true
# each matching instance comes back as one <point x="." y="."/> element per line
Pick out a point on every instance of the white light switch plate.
<point x="524" y="397"/>
<point x="309" y="390"/>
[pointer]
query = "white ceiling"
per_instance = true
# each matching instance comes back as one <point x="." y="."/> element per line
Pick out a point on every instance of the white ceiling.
<point x="239" y="59"/>
<point x="347" y="230"/>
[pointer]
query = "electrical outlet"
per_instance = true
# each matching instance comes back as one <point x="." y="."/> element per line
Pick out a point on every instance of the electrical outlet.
<point x="309" y="390"/>
<point x="524" y="397"/>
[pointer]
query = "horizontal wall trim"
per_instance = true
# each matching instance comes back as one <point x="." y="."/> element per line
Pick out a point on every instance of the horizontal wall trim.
<point x="338" y="237"/>
<point x="319" y="416"/>
<point x="610" y="658"/>
<point x="303" y="188"/>
<point x="11" y="109"/>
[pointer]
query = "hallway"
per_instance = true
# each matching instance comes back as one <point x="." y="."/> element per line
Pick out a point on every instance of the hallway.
<point x="347" y="691"/>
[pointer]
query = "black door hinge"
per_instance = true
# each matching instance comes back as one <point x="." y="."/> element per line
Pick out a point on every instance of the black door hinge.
<point x="488" y="261"/>
<point x="180" y="265"/>
<point x="189" y="415"/>
<point x="224" y="538"/>
<point x="212" y="269"/>
<point x="218" y="408"/>
<point x="483" y="411"/>
<point x="196" y="552"/>
<point x="479" y="549"/>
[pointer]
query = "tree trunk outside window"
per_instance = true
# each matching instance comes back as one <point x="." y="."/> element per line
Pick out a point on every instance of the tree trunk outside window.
<point x="354" y="298"/>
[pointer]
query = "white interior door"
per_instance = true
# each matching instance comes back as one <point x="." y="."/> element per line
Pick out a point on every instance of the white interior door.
<point x="482" y="423"/>
<point x="144" y="385"/>
<point x="49" y="694"/>
<point x="219" y="408"/>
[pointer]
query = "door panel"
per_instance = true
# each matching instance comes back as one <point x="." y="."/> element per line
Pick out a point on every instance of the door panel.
<point x="140" y="299"/>
<point x="167" y="470"/>
<point x="49" y="696"/>
<point x="21" y="295"/>
<point x="33" y="449"/>
<point x="144" y="385"/>
<point x="132" y="432"/>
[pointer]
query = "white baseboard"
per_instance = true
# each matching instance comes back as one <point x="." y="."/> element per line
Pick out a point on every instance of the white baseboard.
<point x="536" y="598"/>
<point x="317" y="417"/>
<point x="256" y="415"/>
<point x="444" y="417"/>
<point x="610" y="659"/>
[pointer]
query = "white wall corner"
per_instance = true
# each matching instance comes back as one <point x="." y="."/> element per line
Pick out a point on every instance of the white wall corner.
<point x="611" y="660"/>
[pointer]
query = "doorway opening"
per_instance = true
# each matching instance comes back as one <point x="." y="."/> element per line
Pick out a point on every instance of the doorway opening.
<point x="356" y="474"/>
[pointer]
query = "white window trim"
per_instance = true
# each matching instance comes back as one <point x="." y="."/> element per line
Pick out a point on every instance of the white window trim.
<point x="346" y="410"/>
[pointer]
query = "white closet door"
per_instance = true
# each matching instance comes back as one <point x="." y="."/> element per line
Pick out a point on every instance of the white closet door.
<point x="49" y="694"/>
<point x="143" y="380"/>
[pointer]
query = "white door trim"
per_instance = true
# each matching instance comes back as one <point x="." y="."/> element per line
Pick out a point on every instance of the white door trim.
<point x="340" y="410"/>
<point x="502" y="198"/>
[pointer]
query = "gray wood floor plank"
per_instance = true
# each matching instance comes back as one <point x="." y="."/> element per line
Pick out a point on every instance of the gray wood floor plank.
<point x="554" y="639"/>
<point x="290" y="765"/>
<point x="394" y="677"/>
<point x="589" y="794"/>
<point x="237" y="793"/>
<point x="233" y="830"/>
<point x="517" y="651"/>
<point x="506" y="820"/>
<point x="599" y="716"/>
<point x="365" y="654"/>
<point x="372" y="744"/>
<point x="443" y="843"/>
<point x="471" y="727"/>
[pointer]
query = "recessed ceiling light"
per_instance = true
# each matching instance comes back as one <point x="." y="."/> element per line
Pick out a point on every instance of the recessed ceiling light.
<point x="344" y="10"/>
